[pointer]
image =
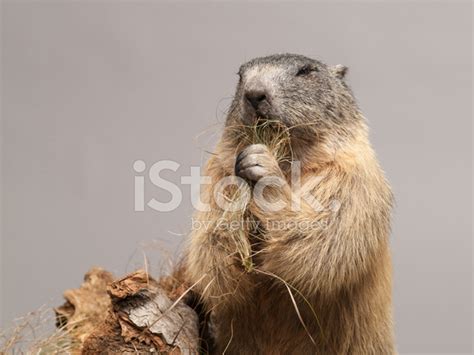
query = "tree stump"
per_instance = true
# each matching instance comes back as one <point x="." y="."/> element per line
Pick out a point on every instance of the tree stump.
<point x="134" y="314"/>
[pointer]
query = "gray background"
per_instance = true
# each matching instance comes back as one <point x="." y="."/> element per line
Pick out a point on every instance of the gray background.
<point x="89" y="87"/>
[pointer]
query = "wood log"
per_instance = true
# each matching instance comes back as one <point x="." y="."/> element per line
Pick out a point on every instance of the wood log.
<point x="134" y="314"/>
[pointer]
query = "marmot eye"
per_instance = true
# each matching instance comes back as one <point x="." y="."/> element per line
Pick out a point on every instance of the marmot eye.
<point x="305" y="70"/>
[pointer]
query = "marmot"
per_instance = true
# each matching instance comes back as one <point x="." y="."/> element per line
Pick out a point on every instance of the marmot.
<point x="319" y="290"/>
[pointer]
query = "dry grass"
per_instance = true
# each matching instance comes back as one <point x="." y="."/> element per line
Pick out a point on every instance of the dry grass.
<point x="274" y="134"/>
<point x="276" y="137"/>
<point x="35" y="334"/>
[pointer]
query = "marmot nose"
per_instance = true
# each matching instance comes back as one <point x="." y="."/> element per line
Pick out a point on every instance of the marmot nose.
<point x="255" y="98"/>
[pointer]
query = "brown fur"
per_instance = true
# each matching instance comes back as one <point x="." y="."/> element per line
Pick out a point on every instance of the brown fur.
<point x="321" y="291"/>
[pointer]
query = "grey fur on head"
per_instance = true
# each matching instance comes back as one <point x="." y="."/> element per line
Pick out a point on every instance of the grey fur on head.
<point x="296" y="90"/>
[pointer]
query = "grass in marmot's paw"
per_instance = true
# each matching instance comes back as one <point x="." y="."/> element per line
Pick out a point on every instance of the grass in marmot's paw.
<point x="276" y="136"/>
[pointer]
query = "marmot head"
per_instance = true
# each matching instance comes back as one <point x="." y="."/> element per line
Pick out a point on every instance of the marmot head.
<point x="304" y="94"/>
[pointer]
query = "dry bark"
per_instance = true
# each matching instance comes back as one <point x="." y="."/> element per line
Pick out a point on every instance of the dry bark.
<point x="135" y="314"/>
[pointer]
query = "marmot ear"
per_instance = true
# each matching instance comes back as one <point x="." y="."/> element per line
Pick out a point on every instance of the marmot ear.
<point x="339" y="71"/>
